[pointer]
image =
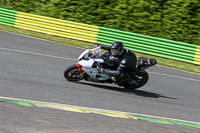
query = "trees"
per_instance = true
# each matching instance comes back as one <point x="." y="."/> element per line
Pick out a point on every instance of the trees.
<point x="181" y="20"/>
<point x="171" y="19"/>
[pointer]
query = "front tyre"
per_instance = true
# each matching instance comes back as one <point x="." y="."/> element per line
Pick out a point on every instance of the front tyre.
<point x="73" y="73"/>
<point x="141" y="78"/>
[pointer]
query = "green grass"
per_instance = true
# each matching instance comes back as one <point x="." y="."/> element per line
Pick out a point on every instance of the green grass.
<point x="161" y="61"/>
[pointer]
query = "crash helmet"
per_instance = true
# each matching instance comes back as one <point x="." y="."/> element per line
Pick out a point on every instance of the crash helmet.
<point x="117" y="48"/>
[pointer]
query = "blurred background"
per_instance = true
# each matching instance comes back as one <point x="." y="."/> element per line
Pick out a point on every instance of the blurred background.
<point x="177" y="20"/>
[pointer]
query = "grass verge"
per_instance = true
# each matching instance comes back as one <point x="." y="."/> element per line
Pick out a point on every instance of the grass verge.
<point x="161" y="61"/>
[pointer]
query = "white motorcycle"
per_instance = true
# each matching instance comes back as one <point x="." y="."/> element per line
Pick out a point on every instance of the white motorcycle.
<point x="91" y="60"/>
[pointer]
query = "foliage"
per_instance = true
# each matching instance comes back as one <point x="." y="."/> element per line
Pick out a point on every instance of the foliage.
<point x="171" y="19"/>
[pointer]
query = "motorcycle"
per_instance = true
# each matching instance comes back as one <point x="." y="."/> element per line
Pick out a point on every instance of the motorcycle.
<point x="90" y="61"/>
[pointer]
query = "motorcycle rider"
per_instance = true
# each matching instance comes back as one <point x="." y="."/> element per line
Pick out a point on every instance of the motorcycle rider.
<point x="126" y="62"/>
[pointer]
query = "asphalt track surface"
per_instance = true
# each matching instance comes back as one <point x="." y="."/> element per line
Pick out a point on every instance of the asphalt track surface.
<point x="33" y="69"/>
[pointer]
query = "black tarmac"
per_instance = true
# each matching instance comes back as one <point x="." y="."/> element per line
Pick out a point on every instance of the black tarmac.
<point x="33" y="69"/>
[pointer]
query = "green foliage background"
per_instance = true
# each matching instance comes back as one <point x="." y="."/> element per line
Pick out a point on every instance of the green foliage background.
<point x="171" y="19"/>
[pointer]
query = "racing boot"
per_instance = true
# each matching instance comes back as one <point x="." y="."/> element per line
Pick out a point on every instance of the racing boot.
<point x="114" y="80"/>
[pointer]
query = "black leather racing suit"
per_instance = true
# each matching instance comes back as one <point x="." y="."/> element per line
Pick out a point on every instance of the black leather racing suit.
<point x="126" y="66"/>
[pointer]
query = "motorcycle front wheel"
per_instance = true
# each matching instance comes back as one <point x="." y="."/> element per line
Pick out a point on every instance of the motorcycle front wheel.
<point x="73" y="73"/>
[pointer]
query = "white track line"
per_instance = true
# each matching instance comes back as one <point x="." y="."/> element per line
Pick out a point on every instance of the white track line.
<point x="58" y="57"/>
<point x="174" y="76"/>
<point x="90" y="108"/>
<point x="27" y="52"/>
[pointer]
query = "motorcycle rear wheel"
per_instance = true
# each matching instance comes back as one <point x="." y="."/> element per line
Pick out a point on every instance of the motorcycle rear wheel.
<point x="142" y="78"/>
<point x="71" y="73"/>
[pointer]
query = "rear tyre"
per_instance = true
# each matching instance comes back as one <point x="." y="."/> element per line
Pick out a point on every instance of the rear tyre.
<point x="141" y="78"/>
<point x="71" y="73"/>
